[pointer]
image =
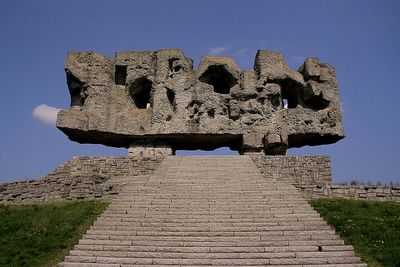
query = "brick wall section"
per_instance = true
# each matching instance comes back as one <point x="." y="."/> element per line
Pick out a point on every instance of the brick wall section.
<point x="78" y="178"/>
<point x="301" y="171"/>
<point x="370" y="192"/>
<point x="312" y="176"/>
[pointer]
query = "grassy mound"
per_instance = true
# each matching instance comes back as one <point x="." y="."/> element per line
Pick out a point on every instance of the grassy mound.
<point x="372" y="227"/>
<point x="42" y="234"/>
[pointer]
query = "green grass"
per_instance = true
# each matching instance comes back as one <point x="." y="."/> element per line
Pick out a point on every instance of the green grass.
<point x="42" y="234"/>
<point x="372" y="227"/>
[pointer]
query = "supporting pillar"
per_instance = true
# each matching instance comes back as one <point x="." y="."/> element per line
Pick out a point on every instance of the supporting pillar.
<point x="149" y="152"/>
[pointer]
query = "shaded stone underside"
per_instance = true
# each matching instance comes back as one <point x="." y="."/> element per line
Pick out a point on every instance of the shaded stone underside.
<point x="156" y="98"/>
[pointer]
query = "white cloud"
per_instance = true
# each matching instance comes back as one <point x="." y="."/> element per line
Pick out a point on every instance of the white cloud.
<point x="217" y="50"/>
<point x="241" y="52"/>
<point x="46" y="114"/>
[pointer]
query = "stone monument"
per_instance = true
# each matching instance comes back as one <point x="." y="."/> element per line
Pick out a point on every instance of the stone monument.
<point x="155" y="102"/>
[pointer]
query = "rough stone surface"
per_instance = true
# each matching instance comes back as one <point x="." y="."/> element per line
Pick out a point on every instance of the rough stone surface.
<point x="311" y="175"/>
<point x="79" y="178"/>
<point x="156" y="98"/>
<point x="357" y="191"/>
<point x="301" y="171"/>
<point x="149" y="153"/>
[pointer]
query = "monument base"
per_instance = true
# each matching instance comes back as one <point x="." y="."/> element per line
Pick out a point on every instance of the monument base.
<point x="148" y="152"/>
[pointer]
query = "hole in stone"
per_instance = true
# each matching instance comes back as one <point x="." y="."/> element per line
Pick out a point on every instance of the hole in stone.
<point x="140" y="92"/>
<point x="289" y="94"/>
<point x="171" y="98"/>
<point x="171" y="62"/>
<point x="120" y="75"/>
<point x="261" y="100"/>
<point x="317" y="102"/>
<point x="77" y="90"/>
<point x="275" y="100"/>
<point x="289" y="98"/>
<point x="175" y="65"/>
<point x="221" y="80"/>
<point x="211" y="113"/>
<point x="319" y="248"/>
<point x="177" y="68"/>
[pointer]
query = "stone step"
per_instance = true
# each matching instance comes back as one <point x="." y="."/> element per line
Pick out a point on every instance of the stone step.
<point x="212" y="255"/>
<point x="155" y="207"/>
<point x="284" y="235"/>
<point x="136" y="221"/>
<point x="161" y="243"/>
<point x="207" y="206"/>
<point x="216" y="261"/>
<point x="240" y="243"/>
<point x="232" y="213"/>
<point x="320" y="229"/>
<point x="203" y="211"/>
<point x="206" y="249"/>
<point x="200" y="237"/>
<point x="74" y="264"/>
<point x="103" y="222"/>
<point x="210" y="195"/>
<point x="201" y="202"/>
<point x="212" y="218"/>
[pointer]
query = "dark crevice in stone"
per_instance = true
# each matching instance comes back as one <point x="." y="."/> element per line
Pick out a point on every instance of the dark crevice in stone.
<point x="174" y="66"/>
<point x="120" y="75"/>
<point x="77" y="90"/>
<point x="171" y="98"/>
<point x="275" y="100"/>
<point x="211" y="113"/>
<point x="221" y="79"/>
<point x="289" y="93"/>
<point x="317" y="102"/>
<point x="140" y="91"/>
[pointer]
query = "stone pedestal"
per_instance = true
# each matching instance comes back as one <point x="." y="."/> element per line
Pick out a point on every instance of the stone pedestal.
<point x="149" y="152"/>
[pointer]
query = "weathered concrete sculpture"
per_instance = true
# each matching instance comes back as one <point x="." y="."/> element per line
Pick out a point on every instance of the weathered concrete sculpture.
<point x="156" y="99"/>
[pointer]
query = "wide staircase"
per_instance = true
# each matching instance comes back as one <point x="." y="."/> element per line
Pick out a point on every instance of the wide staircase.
<point x="203" y="210"/>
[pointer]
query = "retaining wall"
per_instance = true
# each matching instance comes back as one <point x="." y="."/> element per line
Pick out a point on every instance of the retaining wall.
<point x="78" y="178"/>
<point x="312" y="176"/>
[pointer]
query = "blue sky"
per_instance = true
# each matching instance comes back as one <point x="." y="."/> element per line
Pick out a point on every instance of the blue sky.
<point x="360" y="38"/>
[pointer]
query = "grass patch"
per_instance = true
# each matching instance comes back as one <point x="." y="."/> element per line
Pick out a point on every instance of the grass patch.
<point x="42" y="234"/>
<point x="372" y="227"/>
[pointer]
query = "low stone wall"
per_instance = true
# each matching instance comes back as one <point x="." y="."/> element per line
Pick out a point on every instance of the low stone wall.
<point x="312" y="176"/>
<point x="78" y="178"/>
<point x="301" y="171"/>
<point x="358" y="191"/>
